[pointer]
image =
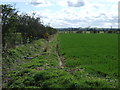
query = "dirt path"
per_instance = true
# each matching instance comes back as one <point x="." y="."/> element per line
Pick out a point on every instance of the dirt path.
<point x="47" y="48"/>
<point x="60" y="57"/>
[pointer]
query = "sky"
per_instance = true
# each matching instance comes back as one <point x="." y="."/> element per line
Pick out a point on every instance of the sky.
<point x="71" y="13"/>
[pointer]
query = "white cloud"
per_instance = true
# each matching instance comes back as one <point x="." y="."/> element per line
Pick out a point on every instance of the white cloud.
<point x="71" y="17"/>
<point x="62" y="3"/>
<point x="40" y="3"/>
<point x="76" y="3"/>
<point x="107" y="24"/>
<point x="72" y="3"/>
<point x="15" y="0"/>
<point x="88" y="14"/>
<point x="112" y="0"/>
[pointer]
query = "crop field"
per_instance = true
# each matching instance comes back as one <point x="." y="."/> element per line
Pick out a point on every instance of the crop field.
<point x="95" y="54"/>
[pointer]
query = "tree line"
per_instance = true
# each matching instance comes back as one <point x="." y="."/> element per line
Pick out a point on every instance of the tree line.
<point x="21" y="29"/>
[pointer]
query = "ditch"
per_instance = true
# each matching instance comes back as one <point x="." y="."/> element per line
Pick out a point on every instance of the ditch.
<point x="60" y="57"/>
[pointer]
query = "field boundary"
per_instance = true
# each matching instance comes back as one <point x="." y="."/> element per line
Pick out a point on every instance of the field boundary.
<point x="60" y="57"/>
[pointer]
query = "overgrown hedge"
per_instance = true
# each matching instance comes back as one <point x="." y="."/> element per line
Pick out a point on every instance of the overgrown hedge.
<point x="28" y="27"/>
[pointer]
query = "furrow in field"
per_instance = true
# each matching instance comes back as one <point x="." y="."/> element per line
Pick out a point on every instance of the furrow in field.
<point x="60" y="57"/>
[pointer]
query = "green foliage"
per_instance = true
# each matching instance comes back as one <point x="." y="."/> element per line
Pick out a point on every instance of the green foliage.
<point x="81" y="70"/>
<point x="15" y="57"/>
<point x="9" y="25"/>
<point x="28" y="69"/>
<point x="21" y="29"/>
<point x="52" y="78"/>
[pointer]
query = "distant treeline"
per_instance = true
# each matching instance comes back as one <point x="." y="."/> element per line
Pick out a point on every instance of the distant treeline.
<point x="91" y="30"/>
<point x="21" y="29"/>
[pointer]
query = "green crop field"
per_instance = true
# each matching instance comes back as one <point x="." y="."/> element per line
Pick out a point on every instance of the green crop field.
<point x="95" y="54"/>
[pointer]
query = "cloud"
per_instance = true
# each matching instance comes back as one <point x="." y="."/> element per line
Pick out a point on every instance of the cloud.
<point x="62" y="3"/>
<point x="40" y="3"/>
<point x="15" y="1"/>
<point x="112" y="0"/>
<point x="72" y="18"/>
<point x="76" y="3"/>
<point x="97" y="6"/>
<point x="72" y="3"/>
<point x="91" y="14"/>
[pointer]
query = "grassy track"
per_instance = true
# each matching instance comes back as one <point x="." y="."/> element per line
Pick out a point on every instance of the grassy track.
<point x="40" y="68"/>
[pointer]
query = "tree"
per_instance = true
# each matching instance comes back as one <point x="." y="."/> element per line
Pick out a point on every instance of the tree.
<point x="9" y="24"/>
<point x="29" y="27"/>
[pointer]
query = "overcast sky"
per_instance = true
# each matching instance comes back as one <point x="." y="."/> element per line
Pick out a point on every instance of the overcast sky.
<point x="71" y="13"/>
